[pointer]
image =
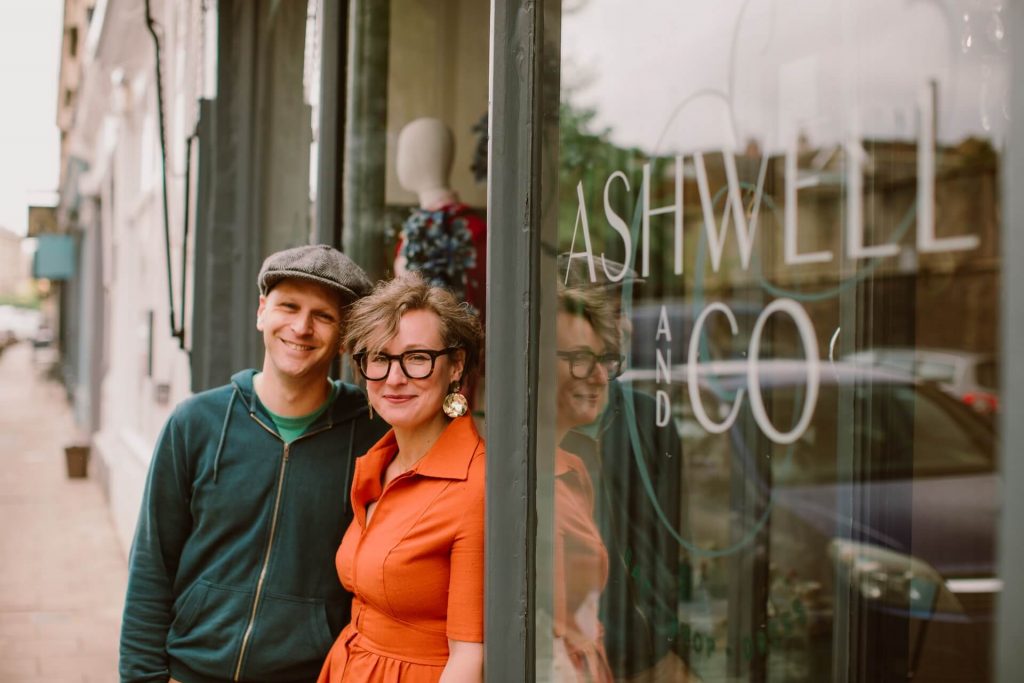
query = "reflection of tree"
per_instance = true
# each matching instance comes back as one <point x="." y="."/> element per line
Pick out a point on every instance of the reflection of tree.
<point x="587" y="155"/>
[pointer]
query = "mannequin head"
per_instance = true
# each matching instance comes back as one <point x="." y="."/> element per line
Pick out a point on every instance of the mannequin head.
<point x="423" y="161"/>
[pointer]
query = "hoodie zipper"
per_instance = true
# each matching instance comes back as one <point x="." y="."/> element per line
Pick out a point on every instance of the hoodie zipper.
<point x="270" y="542"/>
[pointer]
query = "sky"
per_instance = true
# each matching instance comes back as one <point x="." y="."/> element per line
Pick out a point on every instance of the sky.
<point x="30" y="34"/>
<point x="672" y="76"/>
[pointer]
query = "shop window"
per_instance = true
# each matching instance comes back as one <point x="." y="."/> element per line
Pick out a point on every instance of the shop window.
<point x="792" y="470"/>
<point x="416" y="105"/>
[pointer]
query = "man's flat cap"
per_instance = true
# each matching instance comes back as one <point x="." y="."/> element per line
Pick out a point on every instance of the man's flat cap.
<point x="316" y="263"/>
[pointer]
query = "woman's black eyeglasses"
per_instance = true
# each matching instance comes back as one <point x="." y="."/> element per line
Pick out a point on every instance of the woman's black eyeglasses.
<point x="583" y="362"/>
<point x="415" y="363"/>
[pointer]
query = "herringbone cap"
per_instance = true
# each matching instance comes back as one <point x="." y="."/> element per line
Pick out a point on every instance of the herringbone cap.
<point x="320" y="263"/>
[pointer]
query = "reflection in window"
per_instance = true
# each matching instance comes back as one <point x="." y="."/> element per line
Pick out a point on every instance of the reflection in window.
<point x="794" y="165"/>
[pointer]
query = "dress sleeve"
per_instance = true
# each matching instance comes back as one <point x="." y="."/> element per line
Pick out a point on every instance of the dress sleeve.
<point x="164" y="525"/>
<point x="466" y="582"/>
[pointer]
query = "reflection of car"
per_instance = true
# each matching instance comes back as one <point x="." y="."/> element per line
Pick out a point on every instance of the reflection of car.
<point x="681" y="314"/>
<point x="970" y="377"/>
<point x="881" y="515"/>
<point x="18" y="324"/>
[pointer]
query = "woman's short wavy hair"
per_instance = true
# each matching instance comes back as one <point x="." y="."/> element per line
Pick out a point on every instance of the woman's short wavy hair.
<point x="373" y="320"/>
<point x="592" y="304"/>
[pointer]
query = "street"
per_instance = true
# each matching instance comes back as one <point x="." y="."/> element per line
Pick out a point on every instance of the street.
<point x="62" y="572"/>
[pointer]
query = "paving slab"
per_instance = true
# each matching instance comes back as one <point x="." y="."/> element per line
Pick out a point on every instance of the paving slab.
<point x="62" y="571"/>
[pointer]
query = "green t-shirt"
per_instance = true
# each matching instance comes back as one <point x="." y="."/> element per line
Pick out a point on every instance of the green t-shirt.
<point x="291" y="428"/>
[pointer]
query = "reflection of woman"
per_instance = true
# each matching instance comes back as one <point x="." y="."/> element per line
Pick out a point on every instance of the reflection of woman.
<point x="413" y="555"/>
<point x="587" y="359"/>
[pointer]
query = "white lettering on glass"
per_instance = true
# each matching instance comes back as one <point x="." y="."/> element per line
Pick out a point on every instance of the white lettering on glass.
<point x="619" y="226"/>
<point x="794" y="181"/>
<point x="855" y="248"/>
<point x="663" y="328"/>
<point x="676" y="209"/>
<point x="792" y="256"/>
<point x="692" y="380"/>
<point x="581" y="216"/>
<point x="811" y="367"/>
<point x="663" y="408"/>
<point x="663" y="365"/>
<point x="716" y="235"/>
<point x="927" y="242"/>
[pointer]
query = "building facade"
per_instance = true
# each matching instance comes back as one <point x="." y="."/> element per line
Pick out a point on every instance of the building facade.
<point x="798" y="215"/>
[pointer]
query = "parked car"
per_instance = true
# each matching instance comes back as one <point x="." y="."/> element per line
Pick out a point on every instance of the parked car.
<point x="973" y="378"/>
<point x="17" y="324"/>
<point x="881" y="516"/>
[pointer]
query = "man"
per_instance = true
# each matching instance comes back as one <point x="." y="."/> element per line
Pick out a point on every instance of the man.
<point x="232" y="574"/>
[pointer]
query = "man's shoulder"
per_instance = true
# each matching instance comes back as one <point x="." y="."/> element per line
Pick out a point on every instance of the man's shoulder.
<point x="210" y="397"/>
<point x="203" y="405"/>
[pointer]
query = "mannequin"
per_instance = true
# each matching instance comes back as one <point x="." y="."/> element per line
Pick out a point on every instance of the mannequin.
<point x="443" y="238"/>
<point x="426" y="149"/>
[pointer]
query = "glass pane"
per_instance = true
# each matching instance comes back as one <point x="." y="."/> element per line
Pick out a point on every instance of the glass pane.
<point x="415" y="167"/>
<point x="414" y="185"/>
<point x="785" y="216"/>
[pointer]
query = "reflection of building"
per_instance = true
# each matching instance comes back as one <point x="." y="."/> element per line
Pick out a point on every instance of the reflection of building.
<point x="966" y="186"/>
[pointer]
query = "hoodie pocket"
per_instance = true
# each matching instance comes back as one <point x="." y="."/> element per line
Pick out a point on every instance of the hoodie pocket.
<point x="290" y="639"/>
<point x="207" y="632"/>
<point x="188" y="606"/>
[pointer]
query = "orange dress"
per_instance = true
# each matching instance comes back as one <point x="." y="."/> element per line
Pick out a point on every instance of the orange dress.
<point x="581" y="572"/>
<point x="416" y="571"/>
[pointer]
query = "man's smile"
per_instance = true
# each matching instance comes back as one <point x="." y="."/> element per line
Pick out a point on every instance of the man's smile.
<point x="296" y="346"/>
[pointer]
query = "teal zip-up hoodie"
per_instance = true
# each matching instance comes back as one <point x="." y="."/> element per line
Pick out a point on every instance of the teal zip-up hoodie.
<point x="232" y="572"/>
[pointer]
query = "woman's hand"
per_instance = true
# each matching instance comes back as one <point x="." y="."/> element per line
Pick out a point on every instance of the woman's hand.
<point x="465" y="663"/>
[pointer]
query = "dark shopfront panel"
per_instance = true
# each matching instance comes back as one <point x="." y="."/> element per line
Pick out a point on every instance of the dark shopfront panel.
<point x="796" y="476"/>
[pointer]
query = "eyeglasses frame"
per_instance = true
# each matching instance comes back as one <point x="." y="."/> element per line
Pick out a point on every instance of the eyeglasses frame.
<point x="596" y="359"/>
<point x="434" y="355"/>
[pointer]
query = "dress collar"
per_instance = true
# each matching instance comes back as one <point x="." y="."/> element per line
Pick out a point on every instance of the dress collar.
<point x="452" y="453"/>
<point x="449" y="458"/>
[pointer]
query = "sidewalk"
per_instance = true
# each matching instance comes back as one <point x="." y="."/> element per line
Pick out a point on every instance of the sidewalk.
<point x="62" y="572"/>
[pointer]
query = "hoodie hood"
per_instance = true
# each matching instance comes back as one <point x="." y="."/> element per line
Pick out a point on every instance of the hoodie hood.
<point x="349" y="401"/>
<point x="348" y="404"/>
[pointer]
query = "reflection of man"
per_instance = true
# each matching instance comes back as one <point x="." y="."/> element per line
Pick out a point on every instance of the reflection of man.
<point x="637" y="471"/>
<point x="232" y="569"/>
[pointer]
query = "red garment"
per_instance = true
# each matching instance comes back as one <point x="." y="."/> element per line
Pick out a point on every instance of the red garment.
<point x="581" y="570"/>
<point x="416" y="570"/>
<point x="476" y="277"/>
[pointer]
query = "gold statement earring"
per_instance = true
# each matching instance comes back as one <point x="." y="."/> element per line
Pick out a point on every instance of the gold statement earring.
<point x="370" y="406"/>
<point x="455" y="404"/>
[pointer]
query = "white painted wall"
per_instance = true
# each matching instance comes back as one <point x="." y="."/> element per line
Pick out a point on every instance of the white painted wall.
<point x="117" y="129"/>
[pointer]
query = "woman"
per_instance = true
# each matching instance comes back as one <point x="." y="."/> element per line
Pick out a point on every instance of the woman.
<point x="587" y="338"/>
<point x="413" y="555"/>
